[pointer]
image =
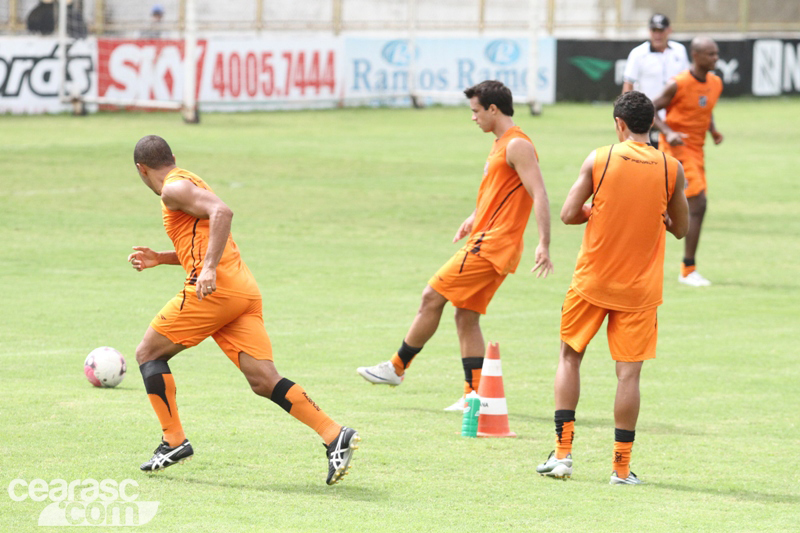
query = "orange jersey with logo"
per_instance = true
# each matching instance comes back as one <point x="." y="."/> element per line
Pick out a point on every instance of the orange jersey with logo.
<point x="691" y="107"/>
<point x="502" y="211"/>
<point x="189" y="235"/>
<point x="621" y="261"/>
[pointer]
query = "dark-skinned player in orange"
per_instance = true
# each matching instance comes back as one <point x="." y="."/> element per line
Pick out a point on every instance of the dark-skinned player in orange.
<point x="220" y="299"/>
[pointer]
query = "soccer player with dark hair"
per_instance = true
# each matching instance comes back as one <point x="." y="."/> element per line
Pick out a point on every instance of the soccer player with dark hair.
<point x="220" y="299"/>
<point x="512" y="184"/>
<point x="637" y="196"/>
<point x="689" y="99"/>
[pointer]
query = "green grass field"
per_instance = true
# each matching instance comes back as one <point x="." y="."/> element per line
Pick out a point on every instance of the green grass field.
<point x="342" y="216"/>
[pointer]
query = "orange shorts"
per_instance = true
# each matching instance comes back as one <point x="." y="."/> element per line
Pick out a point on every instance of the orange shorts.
<point x="631" y="336"/>
<point x="694" y="167"/>
<point x="468" y="281"/>
<point x="235" y="323"/>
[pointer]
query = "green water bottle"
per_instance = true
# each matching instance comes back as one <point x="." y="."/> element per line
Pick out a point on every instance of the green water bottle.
<point x="469" y="423"/>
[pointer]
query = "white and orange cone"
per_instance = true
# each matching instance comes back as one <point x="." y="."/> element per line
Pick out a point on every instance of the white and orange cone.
<point x="493" y="418"/>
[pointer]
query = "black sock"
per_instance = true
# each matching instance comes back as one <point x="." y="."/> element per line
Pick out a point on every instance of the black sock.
<point x="561" y="416"/>
<point x="470" y="364"/>
<point x="406" y="353"/>
<point x="279" y="394"/>
<point x="688" y="262"/>
<point x="153" y="377"/>
<point x="623" y="435"/>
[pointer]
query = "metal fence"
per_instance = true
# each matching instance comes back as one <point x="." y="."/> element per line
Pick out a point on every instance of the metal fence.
<point x="562" y="18"/>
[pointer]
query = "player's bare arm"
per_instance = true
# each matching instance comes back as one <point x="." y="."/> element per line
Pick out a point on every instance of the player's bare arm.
<point x="627" y="87"/>
<point x="465" y="228"/>
<point x="144" y="257"/>
<point x="677" y="219"/>
<point x="715" y="134"/>
<point x="184" y="196"/>
<point x="521" y="156"/>
<point x="674" y="138"/>
<point x="575" y="210"/>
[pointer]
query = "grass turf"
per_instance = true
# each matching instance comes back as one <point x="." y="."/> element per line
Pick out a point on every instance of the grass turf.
<point x="342" y="216"/>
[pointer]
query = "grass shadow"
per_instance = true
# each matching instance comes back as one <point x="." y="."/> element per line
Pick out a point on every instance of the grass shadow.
<point x="743" y="495"/>
<point x="347" y="492"/>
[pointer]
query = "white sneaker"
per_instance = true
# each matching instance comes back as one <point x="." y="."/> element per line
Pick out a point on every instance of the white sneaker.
<point x="382" y="374"/>
<point x="694" y="279"/>
<point x="558" y="468"/>
<point x="460" y="405"/>
<point x="630" y="480"/>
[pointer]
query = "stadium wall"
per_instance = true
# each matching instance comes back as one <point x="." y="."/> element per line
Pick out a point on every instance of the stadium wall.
<point x="248" y="73"/>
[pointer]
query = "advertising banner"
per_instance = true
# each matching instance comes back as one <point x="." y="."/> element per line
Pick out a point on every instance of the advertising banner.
<point x="592" y="70"/>
<point x="776" y="67"/>
<point x="143" y="69"/>
<point x="439" y="69"/>
<point x="30" y="76"/>
<point x="258" y="73"/>
<point x="232" y="74"/>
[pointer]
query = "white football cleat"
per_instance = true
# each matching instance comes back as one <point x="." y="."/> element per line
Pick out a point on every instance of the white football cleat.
<point x="630" y="480"/>
<point x="557" y="468"/>
<point x="382" y="374"/>
<point x="460" y="405"/>
<point x="694" y="279"/>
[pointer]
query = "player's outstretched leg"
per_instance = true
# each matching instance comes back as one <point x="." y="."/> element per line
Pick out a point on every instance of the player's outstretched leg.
<point x="392" y="372"/>
<point x="152" y="354"/>
<point x="340" y="441"/>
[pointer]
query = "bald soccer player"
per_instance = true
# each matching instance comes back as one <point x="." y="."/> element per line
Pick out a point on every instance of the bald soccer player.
<point x="219" y="299"/>
<point x="637" y="196"/>
<point x="689" y="99"/>
<point x="512" y="184"/>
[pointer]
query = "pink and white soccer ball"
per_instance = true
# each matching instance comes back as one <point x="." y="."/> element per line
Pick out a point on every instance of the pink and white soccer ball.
<point x="104" y="367"/>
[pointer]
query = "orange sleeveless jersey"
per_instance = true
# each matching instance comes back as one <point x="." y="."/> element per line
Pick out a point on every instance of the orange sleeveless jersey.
<point x="690" y="109"/>
<point x="621" y="261"/>
<point x="190" y="237"/>
<point x="503" y="208"/>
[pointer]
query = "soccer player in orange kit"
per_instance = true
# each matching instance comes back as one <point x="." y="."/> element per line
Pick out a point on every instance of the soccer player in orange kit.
<point x="512" y="184"/>
<point x="689" y="99"/>
<point x="220" y="299"/>
<point x="637" y="196"/>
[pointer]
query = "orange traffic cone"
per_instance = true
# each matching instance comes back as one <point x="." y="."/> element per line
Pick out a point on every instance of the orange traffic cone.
<point x="493" y="418"/>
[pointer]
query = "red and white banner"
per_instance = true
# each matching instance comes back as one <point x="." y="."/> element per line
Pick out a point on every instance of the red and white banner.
<point x="231" y="73"/>
<point x="267" y="70"/>
<point x="137" y="69"/>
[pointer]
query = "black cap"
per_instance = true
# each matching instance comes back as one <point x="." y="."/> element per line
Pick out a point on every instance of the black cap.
<point x="659" y="22"/>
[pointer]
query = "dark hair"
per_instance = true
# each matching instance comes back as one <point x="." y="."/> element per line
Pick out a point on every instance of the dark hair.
<point x="154" y="152"/>
<point x="636" y="110"/>
<point x="493" y="92"/>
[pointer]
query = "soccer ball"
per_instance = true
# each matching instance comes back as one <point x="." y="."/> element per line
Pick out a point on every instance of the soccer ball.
<point x="104" y="367"/>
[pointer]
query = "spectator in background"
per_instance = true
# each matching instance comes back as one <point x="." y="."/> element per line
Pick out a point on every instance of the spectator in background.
<point x="43" y="19"/>
<point x="653" y="63"/>
<point x="156" y="28"/>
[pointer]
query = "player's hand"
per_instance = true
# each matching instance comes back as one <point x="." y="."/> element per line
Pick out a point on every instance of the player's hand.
<point x="143" y="258"/>
<point x="717" y="136"/>
<point x="206" y="282"/>
<point x="543" y="263"/>
<point x="675" y="138"/>
<point x="465" y="228"/>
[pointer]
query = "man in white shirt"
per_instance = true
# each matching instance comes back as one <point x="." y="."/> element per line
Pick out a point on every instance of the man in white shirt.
<point x="651" y="64"/>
